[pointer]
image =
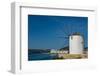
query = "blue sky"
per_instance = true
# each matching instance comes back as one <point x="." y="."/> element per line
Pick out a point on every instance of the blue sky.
<point x="47" y="32"/>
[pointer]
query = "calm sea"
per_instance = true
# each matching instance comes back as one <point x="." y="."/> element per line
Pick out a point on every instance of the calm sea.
<point x="41" y="56"/>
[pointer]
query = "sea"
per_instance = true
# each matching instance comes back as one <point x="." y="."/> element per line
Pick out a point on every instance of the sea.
<point x="41" y="56"/>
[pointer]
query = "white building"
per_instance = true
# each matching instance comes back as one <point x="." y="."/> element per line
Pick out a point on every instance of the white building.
<point x="76" y="44"/>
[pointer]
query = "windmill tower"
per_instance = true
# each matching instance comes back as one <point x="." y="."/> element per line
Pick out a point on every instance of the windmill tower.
<point x="75" y="39"/>
<point x="76" y="44"/>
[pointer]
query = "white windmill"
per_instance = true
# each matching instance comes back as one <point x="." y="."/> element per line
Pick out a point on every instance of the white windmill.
<point x="75" y="40"/>
<point x="76" y="44"/>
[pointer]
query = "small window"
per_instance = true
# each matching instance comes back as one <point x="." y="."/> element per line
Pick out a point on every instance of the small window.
<point x="71" y="37"/>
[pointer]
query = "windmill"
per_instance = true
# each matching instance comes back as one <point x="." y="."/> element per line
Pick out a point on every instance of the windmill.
<point x="75" y="41"/>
